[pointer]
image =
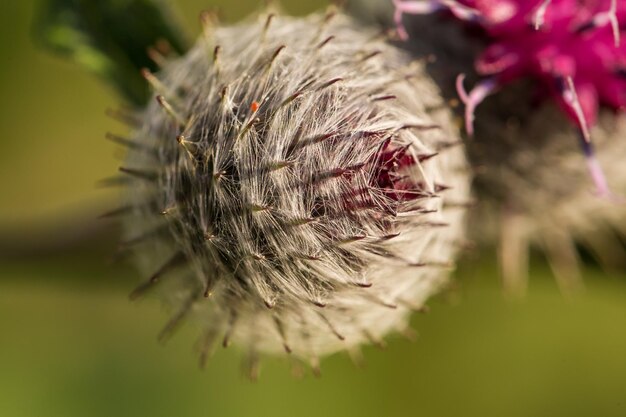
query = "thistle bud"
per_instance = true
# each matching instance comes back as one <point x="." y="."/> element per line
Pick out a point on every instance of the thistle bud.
<point x="294" y="186"/>
<point x="553" y="69"/>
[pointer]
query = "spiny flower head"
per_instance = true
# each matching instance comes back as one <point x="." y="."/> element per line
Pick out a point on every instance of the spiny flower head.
<point x="296" y="185"/>
<point x="570" y="48"/>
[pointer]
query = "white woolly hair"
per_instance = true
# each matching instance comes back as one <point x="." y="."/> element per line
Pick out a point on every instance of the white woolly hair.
<point x="255" y="182"/>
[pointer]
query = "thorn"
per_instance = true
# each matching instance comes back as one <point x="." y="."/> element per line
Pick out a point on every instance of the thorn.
<point x="299" y="144"/>
<point x="117" y="181"/>
<point x="424" y="309"/>
<point x="370" y="56"/>
<point x="291" y="98"/>
<point x="208" y="287"/>
<point x="409" y="334"/>
<point x="388" y="236"/>
<point x="444" y="265"/>
<point x="308" y="257"/>
<point x="216" y="55"/>
<point x="142" y="236"/>
<point x="176" y="321"/>
<point x="156" y="57"/>
<point x="176" y="260"/>
<point x="209" y="20"/>
<point x="281" y="332"/>
<point x="130" y="144"/>
<point x="224" y="94"/>
<point x="164" y="46"/>
<point x="331" y="327"/>
<point x="301" y="221"/>
<point x="124" y="118"/>
<point x="297" y="370"/>
<point x="267" y="24"/>
<point x="443" y="145"/>
<point x="315" y="367"/>
<point x="331" y="13"/>
<point x="120" y="211"/>
<point x="253" y="366"/>
<point x="275" y="54"/>
<point x="258" y="257"/>
<point x="325" y="42"/>
<point x="154" y="82"/>
<point x="356" y="356"/>
<point x="217" y="176"/>
<point x="229" y="330"/>
<point x="170" y="110"/>
<point x="338" y="172"/>
<point x="275" y="166"/>
<point x="426" y="156"/>
<point x="459" y="205"/>
<point x="207" y="346"/>
<point x="169" y="210"/>
<point x="144" y="175"/>
<point x="379" y="343"/>
<point x="188" y="147"/>
<point x="329" y="83"/>
<point x="351" y="239"/>
<point x="374" y="299"/>
<point x="418" y="126"/>
<point x="384" y="97"/>
<point x="258" y="208"/>
<point x="441" y="187"/>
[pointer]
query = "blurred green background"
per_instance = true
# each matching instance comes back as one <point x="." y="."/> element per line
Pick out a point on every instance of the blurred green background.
<point x="71" y="344"/>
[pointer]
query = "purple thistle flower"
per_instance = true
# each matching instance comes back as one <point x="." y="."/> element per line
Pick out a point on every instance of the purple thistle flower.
<point x="571" y="48"/>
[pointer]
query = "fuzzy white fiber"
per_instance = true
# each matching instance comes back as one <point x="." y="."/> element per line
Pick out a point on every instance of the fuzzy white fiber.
<point x="255" y="195"/>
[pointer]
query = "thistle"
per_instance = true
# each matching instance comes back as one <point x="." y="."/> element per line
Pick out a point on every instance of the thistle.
<point x="295" y="186"/>
<point x="571" y="48"/>
<point x="529" y="171"/>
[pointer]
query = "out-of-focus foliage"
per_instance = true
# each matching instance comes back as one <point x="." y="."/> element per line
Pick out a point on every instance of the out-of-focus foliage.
<point x="110" y="37"/>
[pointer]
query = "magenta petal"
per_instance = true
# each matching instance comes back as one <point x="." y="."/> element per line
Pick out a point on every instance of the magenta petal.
<point x="572" y="49"/>
<point x="473" y="99"/>
<point x="497" y="58"/>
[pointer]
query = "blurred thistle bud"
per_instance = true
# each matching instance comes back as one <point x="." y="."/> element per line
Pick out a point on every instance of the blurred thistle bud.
<point x="531" y="181"/>
<point x="295" y="185"/>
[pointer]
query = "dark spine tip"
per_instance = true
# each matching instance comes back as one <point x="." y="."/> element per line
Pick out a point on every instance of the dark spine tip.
<point x="331" y="82"/>
<point x="268" y="21"/>
<point x="426" y="157"/>
<point x="145" y="73"/>
<point x="385" y="98"/>
<point x="325" y="42"/>
<point x="277" y="52"/>
<point x="389" y="236"/>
